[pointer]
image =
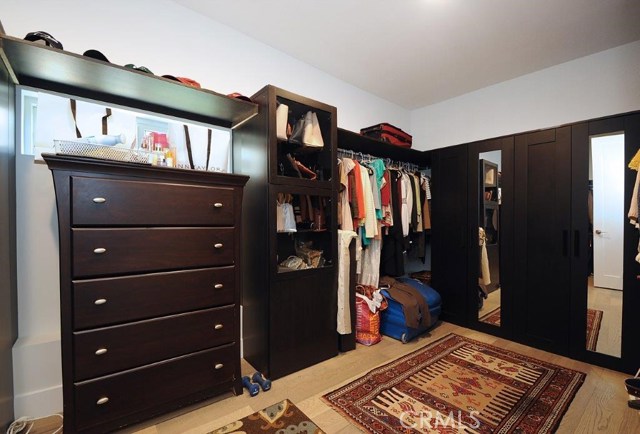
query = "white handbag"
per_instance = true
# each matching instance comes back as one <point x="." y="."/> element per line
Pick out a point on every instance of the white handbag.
<point x="282" y="116"/>
<point x="317" y="133"/>
<point x="307" y="135"/>
<point x="312" y="135"/>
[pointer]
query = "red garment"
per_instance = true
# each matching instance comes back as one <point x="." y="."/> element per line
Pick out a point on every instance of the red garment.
<point x="359" y="213"/>
<point x="385" y="192"/>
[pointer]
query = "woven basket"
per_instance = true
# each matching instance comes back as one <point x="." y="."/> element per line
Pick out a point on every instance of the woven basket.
<point x="81" y="149"/>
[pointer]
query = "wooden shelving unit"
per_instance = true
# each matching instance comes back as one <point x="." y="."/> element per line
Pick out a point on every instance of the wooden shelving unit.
<point x="61" y="71"/>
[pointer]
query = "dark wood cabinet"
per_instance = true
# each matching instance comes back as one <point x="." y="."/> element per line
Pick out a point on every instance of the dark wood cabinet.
<point x="141" y="249"/>
<point x="490" y="206"/>
<point x="150" y="312"/>
<point x="449" y="237"/>
<point x="289" y="315"/>
<point x="543" y="238"/>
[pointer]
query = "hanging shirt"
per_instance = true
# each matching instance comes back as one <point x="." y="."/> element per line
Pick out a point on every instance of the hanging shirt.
<point x="357" y="195"/>
<point x="393" y="242"/>
<point x="418" y="203"/>
<point x="385" y="198"/>
<point x="370" y="225"/>
<point x="345" y="210"/>
<point x="426" y="209"/>
<point x="371" y="264"/>
<point x="378" y="168"/>
<point x="407" y="203"/>
<point x="344" y="264"/>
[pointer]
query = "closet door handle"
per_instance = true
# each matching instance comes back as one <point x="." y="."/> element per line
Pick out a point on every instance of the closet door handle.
<point x="576" y="243"/>
<point x="565" y="242"/>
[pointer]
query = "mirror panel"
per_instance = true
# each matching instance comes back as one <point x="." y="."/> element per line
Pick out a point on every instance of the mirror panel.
<point x="607" y="218"/>
<point x="489" y="203"/>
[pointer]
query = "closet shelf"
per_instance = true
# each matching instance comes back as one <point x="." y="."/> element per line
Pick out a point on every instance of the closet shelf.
<point x="367" y="145"/>
<point x="61" y="71"/>
<point x="296" y="148"/>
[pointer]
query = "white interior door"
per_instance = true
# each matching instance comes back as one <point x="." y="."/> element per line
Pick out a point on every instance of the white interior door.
<point x="607" y="156"/>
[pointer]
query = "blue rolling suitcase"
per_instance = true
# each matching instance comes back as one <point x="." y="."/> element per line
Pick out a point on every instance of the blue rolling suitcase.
<point x="392" y="319"/>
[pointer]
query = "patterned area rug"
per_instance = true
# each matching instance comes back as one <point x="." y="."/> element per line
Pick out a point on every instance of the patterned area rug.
<point x="457" y="384"/>
<point x="282" y="417"/>
<point x="492" y="317"/>
<point x="594" y="319"/>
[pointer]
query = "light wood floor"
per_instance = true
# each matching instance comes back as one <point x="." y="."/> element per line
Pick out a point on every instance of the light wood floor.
<point x="600" y="405"/>
<point x="609" y="301"/>
<point x="491" y="303"/>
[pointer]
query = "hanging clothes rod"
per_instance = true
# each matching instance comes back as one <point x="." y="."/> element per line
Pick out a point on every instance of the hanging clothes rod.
<point x="388" y="162"/>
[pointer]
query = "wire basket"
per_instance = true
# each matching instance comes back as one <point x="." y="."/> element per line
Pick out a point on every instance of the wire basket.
<point x="81" y="149"/>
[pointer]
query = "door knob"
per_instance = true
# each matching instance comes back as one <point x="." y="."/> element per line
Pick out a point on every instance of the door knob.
<point x="598" y="231"/>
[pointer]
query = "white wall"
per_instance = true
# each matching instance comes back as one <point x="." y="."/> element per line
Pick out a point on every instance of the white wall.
<point x="168" y="39"/>
<point x="602" y="84"/>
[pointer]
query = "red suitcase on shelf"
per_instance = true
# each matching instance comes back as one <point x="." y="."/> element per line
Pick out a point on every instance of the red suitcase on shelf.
<point x="388" y="133"/>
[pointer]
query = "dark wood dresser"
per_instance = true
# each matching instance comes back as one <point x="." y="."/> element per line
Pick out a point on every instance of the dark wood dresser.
<point x="149" y="287"/>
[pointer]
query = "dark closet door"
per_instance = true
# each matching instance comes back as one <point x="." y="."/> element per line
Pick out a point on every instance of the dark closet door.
<point x="449" y="233"/>
<point x="8" y="317"/>
<point x="582" y="176"/>
<point x="500" y="251"/>
<point x="543" y="238"/>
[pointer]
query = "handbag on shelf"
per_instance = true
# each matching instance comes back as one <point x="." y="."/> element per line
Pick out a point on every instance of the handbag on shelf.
<point x="306" y="131"/>
<point x="282" y="118"/>
<point x="298" y="132"/>
<point x="312" y="135"/>
<point x="316" y="139"/>
<point x="304" y="170"/>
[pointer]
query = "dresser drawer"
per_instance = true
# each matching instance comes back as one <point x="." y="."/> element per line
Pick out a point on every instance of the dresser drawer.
<point x="113" y="300"/>
<point x="135" y="391"/>
<point x="121" y="251"/>
<point x="96" y="201"/>
<point x="111" y="349"/>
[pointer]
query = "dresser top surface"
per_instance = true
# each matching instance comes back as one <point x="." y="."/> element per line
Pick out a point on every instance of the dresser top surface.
<point x="95" y="166"/>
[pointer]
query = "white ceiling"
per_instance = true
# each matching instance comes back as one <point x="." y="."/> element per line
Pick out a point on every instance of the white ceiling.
<point x="419" y="52"/>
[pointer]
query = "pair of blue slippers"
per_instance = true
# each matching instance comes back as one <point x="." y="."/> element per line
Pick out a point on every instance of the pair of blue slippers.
<point x="255" y="383"/>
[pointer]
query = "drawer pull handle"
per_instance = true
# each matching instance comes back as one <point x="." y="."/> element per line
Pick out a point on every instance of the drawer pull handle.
<point x="99" y="199"/>
<point x="218" y="286"/>
<point x="101" y="351"/>
<point x="100" y="301"/>
<point x="102" y="400"/>
<point x="218" y="326"/>
<point x="99" y="250"/>
<point x="219" y="366"/>
<point x="217" y="205"/>
<point x="218" y="245"/>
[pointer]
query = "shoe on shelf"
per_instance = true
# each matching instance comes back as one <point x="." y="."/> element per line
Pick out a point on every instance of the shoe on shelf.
<point x="633" y="386"/>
